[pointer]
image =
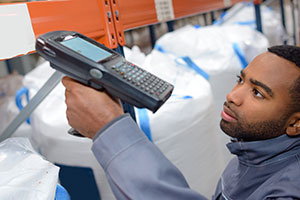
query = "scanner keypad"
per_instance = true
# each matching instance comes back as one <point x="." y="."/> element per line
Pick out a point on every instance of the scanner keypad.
<point x="140" y="78"/>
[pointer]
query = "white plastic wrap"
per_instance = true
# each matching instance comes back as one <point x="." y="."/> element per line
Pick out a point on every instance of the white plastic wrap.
<point x="183" y="128"/>
<point x="25" y="175"/>
<point x="50" y="128"/>
<point x="134" y="55"/>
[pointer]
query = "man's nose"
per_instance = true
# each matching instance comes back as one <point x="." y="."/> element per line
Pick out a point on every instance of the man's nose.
<point x="236" y="96"/>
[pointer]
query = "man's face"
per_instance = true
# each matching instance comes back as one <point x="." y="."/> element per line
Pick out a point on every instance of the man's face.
<point x="257" y="108"/>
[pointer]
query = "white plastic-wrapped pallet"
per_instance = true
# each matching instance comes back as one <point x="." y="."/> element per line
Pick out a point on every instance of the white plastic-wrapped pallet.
<point x="221" y="52"/>
<point x="50" y="135"/>
<point x="184" y="128"/>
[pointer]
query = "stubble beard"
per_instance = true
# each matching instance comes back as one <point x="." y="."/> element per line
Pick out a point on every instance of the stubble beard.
<point x="254" y="131"/>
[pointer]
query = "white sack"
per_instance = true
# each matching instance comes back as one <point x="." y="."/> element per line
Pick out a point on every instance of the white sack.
<point x="183" y="128"/>
<point x="50" y="128"/>
<point x="25" y="175"/>
<point x="243" y="13"/>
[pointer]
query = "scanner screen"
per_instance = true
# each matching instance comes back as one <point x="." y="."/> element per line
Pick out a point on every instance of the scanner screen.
<point x="86" y="49"/>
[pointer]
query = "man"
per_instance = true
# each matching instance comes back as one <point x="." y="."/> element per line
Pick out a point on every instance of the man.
<point x="261" y="114"/>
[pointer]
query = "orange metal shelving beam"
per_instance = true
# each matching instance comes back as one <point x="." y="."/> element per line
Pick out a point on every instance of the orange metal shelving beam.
<point x="141" y="13"/>
<point x="193" y="7"/>
<point x="89" y="17"/>
<point x="137" y="13"/>
<point x="134" y="14"/>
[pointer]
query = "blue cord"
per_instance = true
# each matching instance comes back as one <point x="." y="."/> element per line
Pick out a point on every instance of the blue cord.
<point x="145" y="122"/>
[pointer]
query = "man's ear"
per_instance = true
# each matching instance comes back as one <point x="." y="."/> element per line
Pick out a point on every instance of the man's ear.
<point x="293" y="127"/>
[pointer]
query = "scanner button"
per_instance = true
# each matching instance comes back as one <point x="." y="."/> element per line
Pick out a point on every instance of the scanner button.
<point x="95" y="73"/>
<point x="49" y="52"/>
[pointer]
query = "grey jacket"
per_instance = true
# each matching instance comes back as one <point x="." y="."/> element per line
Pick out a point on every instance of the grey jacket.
<point x="136" y="169"/>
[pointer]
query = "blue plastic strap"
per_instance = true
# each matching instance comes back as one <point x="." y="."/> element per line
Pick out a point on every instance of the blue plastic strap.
<point x="240" y="55"/>
<point x="61" y="193"/>
<point x="196" y="68"/>
<point x="181" y="97"/>
<point x="19" y="94"/>
<point x="250" y="22"/>
<point x="197" y="26"/>
<point x="188" y="61"/>
<point x="221" y="19"/>
<point x="159" y="48"/>
<point x="145" y="123"/>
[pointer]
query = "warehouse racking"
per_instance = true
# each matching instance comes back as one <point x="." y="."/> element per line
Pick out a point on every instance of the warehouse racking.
<point x="106" y="21"/>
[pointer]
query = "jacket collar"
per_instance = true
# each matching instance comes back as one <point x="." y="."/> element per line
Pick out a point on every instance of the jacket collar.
<point x="265" y="151"/>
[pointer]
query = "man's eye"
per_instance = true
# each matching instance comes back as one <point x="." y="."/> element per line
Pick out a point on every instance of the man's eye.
<point x="257" y="93"/>
<point x="239" y="80"/>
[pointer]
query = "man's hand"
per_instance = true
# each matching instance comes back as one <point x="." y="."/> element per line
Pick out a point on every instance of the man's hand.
<point x="88" y="110"/>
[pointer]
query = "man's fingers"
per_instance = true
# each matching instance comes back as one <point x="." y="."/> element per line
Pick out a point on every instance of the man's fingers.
<point x="75" y="89"/>
<point x="66" y="81"/>
<point x="70" y="83"/>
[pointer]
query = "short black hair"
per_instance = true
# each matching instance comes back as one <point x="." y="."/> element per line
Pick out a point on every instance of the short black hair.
<point x="291" y="53"/>
<point x="288" y="52"/>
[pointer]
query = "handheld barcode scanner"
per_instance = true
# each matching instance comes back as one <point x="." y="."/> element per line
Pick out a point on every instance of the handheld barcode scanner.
<point x="99" y="67"/>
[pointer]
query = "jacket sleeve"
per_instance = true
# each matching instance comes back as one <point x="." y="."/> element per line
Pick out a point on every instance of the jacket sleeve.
<point x="135" y="168"/>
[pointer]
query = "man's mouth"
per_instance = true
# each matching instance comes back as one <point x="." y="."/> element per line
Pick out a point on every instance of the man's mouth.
<point x="227" y="114"/>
